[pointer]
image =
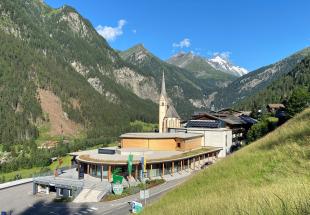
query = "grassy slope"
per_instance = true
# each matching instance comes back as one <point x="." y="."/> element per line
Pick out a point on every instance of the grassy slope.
<point x="270" y="176"/>
<point x="27" y="173"/>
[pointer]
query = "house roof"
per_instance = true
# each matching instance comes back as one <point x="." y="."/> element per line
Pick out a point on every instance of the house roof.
<point x="172" y="113"/>
<point x="149" y="135"/>
<point x="204" y="124"/>
<point x="227" y="118"/>
<point x="276" y="106"/>
<point x="248" y="119"/>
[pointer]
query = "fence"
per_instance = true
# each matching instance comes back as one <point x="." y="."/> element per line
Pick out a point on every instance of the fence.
<point x="50" y="173"/>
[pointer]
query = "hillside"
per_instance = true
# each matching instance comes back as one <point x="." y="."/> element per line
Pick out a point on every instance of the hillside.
<point x="185" y="90"/>
<point x="269" y="176"/>
<point x="58" y="51"/>
<point x="210" y="78"/>
<point x="253" y="82"/>
<point x="281" y="89"/>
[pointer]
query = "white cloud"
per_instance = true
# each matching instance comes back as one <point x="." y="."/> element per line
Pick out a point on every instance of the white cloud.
<point x="185" y="43"/>
<point x="225" y="55"/>
<point x="110" y="33"/>
<point x="134" y="31"/>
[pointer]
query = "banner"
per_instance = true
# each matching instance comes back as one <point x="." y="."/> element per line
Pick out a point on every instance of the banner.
<point x="130" y="159"/>
<point x="117" y="179"/>
<point x="143" y="163"/>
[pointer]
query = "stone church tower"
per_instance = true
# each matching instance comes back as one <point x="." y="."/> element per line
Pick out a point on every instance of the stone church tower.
<point x="168" y="117"/>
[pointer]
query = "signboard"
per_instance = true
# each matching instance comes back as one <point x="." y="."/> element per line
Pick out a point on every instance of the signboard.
<point x="81" y="173"/>
<point x="136" y="207"/>
<point x="130" y="159"/>
<point x="117" y="179"/>
<point x="117" y="189"/>
<point x="144" y="194"/>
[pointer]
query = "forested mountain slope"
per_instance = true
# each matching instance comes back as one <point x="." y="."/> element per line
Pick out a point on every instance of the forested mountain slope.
<point x="253" y="82"/>
<point x="59" y="51"/>
<point x="280" y="90"/>
<point x="185" y="90"/>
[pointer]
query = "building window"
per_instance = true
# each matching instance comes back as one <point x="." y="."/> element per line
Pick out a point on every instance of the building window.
<point x="61" y="192"/>
<point x="179" y="145"/>
<point x="70" y="193"/>
<point x="162" y="104"/>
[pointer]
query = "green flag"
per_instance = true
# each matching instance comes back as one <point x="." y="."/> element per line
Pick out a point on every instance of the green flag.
<point x="130" y="159"/>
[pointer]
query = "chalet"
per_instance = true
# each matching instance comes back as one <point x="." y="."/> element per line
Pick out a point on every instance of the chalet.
<point x="238" y="122"/>
<point x="273" y="108"/>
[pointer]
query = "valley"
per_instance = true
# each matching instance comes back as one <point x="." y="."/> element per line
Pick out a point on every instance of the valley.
<point x="89" y="109"/>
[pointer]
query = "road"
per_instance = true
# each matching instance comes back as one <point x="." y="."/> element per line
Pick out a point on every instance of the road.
<point x="19" y="200"/>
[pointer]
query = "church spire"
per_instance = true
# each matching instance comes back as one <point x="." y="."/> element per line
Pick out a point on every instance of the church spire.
<point x="163" y="86"/>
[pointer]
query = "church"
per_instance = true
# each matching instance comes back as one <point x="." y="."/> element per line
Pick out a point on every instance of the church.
<point x="168" y="116"/>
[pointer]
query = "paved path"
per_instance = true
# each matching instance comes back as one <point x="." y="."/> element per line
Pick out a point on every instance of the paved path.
<point x="20" y="200"/>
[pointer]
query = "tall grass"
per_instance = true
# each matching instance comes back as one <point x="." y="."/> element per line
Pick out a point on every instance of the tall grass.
<point x="270" y="176"/>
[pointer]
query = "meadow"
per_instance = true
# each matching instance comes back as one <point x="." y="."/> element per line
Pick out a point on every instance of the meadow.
<point x="269" y="176"/>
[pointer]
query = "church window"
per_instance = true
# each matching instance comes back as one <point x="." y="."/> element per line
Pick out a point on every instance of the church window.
<point x="179" y="145"/>
<point x="162" y="104"/>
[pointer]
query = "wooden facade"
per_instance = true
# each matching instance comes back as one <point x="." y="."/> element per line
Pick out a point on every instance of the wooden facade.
<point x="168" y="144"/>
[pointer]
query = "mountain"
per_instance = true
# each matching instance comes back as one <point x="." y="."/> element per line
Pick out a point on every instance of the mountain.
<point x="214" y="67"/>
<point x="57" y="70"/>
<point x="185" y="90"/>
<point x="224" y="65"/>
<point x="269" y="176"/>
<point x="202" y="70"/>
<point x="256" y="81"/>
<point x="281" y="89"/>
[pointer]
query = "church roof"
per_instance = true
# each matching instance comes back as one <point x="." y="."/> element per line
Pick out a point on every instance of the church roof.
<point x="172" y="113"/>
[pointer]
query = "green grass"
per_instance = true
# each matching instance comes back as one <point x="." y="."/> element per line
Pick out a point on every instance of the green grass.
<point x="269" y="176"/>
<point x="133" y="190"/>
<point x="143" y="126"/>
<point x="27" y="173"/>
<point x="66" y="161"/>
<point x="100" y="145"/>
<point x="24" y="173"/>
<point x="44" y="135"/>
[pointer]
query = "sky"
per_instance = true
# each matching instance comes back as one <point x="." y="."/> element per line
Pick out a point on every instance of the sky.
<point x="250" y="33"/>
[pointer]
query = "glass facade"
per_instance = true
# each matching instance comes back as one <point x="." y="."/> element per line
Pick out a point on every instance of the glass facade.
<point x="153" y="170"/>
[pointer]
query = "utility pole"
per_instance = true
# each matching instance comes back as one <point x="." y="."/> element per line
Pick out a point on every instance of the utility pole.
<point x="144" y="175"/>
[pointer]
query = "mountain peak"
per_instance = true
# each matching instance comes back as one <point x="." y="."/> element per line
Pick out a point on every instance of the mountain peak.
<point x="139" y="47"/>
<point x="137" y="52"/>
<point x="182" y="59"/>
<point x="223" y="64"/>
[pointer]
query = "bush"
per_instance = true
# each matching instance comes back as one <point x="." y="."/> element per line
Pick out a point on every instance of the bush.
<point x="261" y="128"/>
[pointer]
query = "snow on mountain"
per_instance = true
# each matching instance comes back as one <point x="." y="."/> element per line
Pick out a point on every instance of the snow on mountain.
<point x="224" y="65"/>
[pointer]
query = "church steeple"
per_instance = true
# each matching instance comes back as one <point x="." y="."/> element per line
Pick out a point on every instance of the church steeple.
<point x="163" y="86"/>
<point x="168" y="116"/>
<point x="163" y="105"/>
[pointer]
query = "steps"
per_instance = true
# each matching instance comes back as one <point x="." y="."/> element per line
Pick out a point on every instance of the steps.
<point x="93" y="193"/>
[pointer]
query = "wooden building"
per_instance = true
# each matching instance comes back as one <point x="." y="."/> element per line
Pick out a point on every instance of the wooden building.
<point x="162" y="141"/>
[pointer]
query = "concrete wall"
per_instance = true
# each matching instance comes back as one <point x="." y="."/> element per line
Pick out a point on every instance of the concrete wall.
<point x="212" y="137"/>
<point x="65" y="192"/>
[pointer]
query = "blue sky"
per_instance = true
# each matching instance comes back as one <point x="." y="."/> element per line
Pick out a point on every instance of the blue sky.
<point x="252" y="33"/>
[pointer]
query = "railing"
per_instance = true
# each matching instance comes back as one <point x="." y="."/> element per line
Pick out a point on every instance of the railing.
<point x="50" y="173"/>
